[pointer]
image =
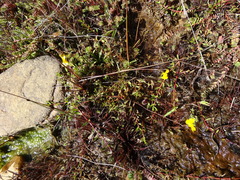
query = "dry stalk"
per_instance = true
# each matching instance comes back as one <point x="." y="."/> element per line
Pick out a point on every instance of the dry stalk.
<point x="198" y="47"/>
<point x="97" y="163"/>
<point x="127" y="47"/>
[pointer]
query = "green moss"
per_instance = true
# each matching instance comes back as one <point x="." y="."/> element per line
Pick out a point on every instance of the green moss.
<point x="33" y="142"/>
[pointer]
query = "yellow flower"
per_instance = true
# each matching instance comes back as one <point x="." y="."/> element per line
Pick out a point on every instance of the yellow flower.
<point x="63" y="57"/>
<point x="164" y="75"/>
<point x="191" y="123"/>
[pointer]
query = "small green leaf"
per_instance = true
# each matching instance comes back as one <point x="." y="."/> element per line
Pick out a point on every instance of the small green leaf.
<point x="205" y="103"/>
<point x="94" y="8"/>
<point x="130" y="175"/>
<point x="237" y="64"/>
<point x="170" y="112"/>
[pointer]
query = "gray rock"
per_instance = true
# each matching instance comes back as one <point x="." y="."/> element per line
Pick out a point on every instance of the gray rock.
<point x="35" y="80"/>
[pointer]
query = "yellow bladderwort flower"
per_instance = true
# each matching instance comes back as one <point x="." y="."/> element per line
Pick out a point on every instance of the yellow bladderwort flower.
<point x="191" y="123"/>
<point x="63" y="57"/>
<point x="164" y="75"/>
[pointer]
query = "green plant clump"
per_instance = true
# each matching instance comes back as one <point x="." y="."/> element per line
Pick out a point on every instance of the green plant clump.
<point x="134" y="74"/>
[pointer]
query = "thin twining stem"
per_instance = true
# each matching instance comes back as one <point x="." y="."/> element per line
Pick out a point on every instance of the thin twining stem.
<point x="97" y="163"/>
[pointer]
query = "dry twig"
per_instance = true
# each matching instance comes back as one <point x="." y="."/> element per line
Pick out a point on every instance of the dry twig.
<point x="198" y="47"/>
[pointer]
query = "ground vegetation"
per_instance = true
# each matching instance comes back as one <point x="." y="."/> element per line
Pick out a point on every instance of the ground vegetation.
<point x="151" y="87"/>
